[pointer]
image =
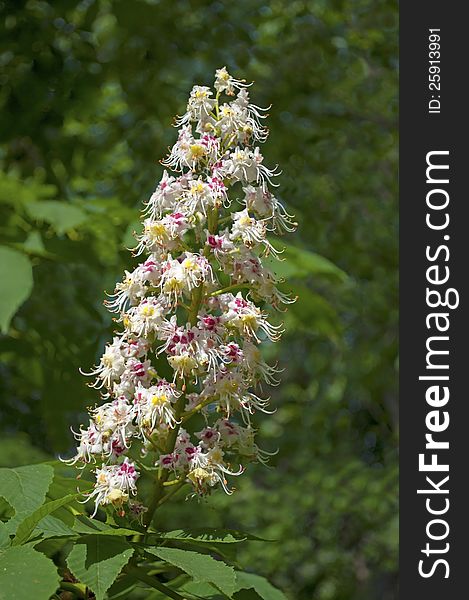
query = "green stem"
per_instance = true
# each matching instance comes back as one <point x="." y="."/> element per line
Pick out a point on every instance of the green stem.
<point x="197" y="297"/>
<point x="235" y="286"/>
<point x="171" y="493"/>
<point x="77" y="588"/>
<point x="196" y="409"/>
<point x="173" y="482"/>
<point x="192" y="313"/>
<point x="224" y="220"/>
<point x="212" y="220"/>
<point x="153" y="443"/>
<point x="149" y="470"/>
<point x="159" y="491"/>
<point x="154" y="583"/>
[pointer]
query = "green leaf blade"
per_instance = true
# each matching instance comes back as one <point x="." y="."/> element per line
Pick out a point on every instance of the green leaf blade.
<point x="209" y="536"/>
<point x="262" y="587"/>
<point x="62" y="216"/>
<point x="300" y="263"/>
<point x="97" y="560"/>
<point x="16" y="275"/>
<point x="86" y="526"/>
<point x="25" y="489"/>
<point x="25" y="573"/>
<point x="201" y="567"/>
<point x="26" y="527"/>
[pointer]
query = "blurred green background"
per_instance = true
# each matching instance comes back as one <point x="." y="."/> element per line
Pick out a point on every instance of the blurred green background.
<point x="87" y="93"/>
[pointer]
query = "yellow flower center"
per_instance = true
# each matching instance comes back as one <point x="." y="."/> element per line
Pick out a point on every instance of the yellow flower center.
<point x="249" y="321"/>
<point x="147" y="311"/>
<point x="184" y="363"/>
<point x="117" y="497"/>
<point x="159" y="400"/>
<point x="198" y="475"/>
<point x="197" y="150"/>
<point x="245" y="220"/>
<point x="197" y="188"/>
<point x="229" y="386"/>
<point x="216" y="456"/>
<point x="173" y="285"/>
<point x="156" y="230"/>
<point x="189" y="264"/>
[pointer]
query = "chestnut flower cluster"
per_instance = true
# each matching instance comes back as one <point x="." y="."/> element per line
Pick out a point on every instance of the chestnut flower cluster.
<point x="192" y="313"/>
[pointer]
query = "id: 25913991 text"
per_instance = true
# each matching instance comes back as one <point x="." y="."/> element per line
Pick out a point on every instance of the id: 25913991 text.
<point x="434" y="74"/>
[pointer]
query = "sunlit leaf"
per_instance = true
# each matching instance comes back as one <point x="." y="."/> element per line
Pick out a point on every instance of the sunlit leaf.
<point x="26" y="527"/>
<point x="25" y="489"/>
<point x="201" y="567"/>
<point x="25" y="573"/>
<point x="60" y="215"/>
<point x="16" y="276"/>
<point x="299" y="263"/>
<point x="262" y="586"/>
<point x="86" y="526"/>
<point x="97" y="560"/>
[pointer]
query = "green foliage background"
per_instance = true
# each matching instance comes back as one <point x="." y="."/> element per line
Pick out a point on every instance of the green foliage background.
<point x="88" y="91"/>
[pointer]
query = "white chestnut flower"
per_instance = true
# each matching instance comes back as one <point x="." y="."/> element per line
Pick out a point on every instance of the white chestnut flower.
<point x="261" y="201"/>
<point x="184" y="274"/>
<point x="252" y="115"/>
<point x="199" y="107"/>
<point x="153" y="406"/>
<point x="89" y="445"/>
<point x="164" y="197"/>
<point x="251" y="231"/>
<point x="246" y="165"/>
<point x="181" y="154"/>
<point x="114" y="485"/>
<point x="166" y="233"/>
<point x="128" y="292"/>
<point x="249" y="319"/>
<point x="146" y="317"/>
<point x="134" y="347"/>
<point x="191" y="310"/>
<point x="224" y="82"/>
<point x="111" y="365"/>
<point x="114" y="421"/>
<point x="199" y="196"/>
